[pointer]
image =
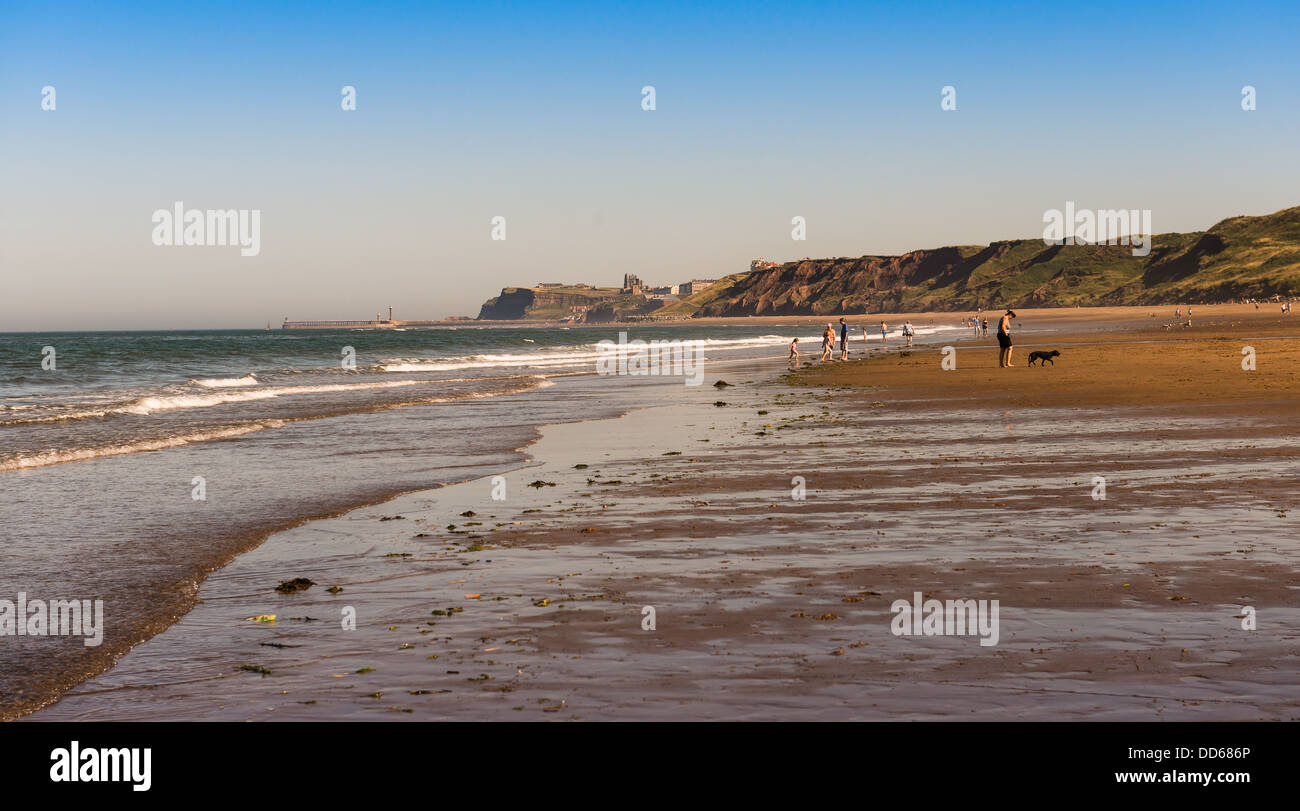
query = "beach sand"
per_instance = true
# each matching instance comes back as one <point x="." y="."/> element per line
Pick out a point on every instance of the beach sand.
<point x="974" y="483"/>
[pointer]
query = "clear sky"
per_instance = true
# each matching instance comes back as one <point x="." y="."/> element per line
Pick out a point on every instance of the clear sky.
<point x="532" y="111"/>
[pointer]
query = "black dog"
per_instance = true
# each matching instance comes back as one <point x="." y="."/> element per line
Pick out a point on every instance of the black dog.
<point x="1043" y="358"/>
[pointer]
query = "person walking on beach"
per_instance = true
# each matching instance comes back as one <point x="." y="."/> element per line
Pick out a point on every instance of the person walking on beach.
<point x="908" y="332"/>
<point x="1004" y="339"/>
<point x="884" y="333"/>
<point x="828" y="343"/>
<point x="985" y="324"/>
<point x="844" y="339"/>
<point x="793" y="360"/>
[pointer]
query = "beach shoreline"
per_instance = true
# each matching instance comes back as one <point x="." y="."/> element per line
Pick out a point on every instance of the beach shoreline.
<point x="771" y="607"/>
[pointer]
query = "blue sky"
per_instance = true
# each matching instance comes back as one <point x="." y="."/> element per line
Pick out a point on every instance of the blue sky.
<point x="532" y="111"/>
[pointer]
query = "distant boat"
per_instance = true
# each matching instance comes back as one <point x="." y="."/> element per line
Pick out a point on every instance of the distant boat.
<point x="529" y="341"/>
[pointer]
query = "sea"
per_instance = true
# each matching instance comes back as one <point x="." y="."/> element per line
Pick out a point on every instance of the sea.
<point x="132" y="464"/>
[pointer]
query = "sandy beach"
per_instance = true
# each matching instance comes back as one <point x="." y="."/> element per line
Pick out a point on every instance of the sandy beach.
<point x="770" y="524"/>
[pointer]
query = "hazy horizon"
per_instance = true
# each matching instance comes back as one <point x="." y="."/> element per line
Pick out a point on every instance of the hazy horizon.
<point x="534" y="113"/>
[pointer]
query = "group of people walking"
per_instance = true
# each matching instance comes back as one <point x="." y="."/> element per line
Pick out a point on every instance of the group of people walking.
<point x="908" y="331"/>
<point x="828" y="340"/>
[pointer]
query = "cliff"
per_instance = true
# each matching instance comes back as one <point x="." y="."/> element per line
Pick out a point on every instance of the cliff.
<point x="595" y="304"/>
<point x="1254" y="257"/>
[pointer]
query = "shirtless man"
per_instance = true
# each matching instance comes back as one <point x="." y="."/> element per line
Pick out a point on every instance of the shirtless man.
<point x="1004" y="340"/>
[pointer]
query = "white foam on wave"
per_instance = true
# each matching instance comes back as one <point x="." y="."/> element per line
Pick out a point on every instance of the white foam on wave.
<point x="169" y="402"/>
<point x="227" y="382"/>
<point x="554" y="357"/>
<point x="148" y="405"/>
<point x="484" y="362"/>
<point x="78" y="454"/>
<point x="55" y="457"/>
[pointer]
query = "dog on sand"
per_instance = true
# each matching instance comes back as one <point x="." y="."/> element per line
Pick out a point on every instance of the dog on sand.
<point x="1043" y="358"/>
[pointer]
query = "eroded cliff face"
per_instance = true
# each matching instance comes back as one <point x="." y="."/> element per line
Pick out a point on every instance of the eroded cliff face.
<point x="1252" y="257"/>
<point x="832" y="286"/>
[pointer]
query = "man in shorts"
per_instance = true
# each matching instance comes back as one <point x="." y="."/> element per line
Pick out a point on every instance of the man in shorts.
<point x="1004" y="340"/>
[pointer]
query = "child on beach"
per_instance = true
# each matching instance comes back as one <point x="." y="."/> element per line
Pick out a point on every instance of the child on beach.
<point x="884" y="333"/>
<point x="828" y="343"/>
<point x="793" y="360"/>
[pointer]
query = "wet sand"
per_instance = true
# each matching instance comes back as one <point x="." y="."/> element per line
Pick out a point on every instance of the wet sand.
<point x="975" y="483"/>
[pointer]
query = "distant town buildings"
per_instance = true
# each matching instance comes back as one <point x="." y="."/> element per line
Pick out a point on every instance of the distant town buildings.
<point x="632" y="284"/>
<point x="695" y="286"/>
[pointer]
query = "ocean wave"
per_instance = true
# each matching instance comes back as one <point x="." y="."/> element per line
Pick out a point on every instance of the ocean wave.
<point x="398" y="365"/>
<point x="227" y="382"/>
<point x="44" y="458"/>
<point x="554" y="357"/>
<point x="148" y="405"/>
<point x="54" y="457"/>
